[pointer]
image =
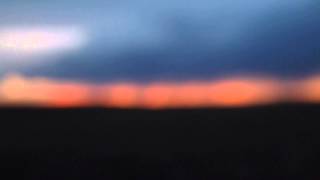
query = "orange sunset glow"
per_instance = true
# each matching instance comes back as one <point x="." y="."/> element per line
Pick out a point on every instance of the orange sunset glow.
<point x="120" y="95"/>
<point x="40" y="91"/>
<point x="310" y="89"/>
<point x="233" y="92"/>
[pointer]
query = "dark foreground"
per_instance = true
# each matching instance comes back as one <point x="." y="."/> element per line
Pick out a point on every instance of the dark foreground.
<point x="275" y="142"/>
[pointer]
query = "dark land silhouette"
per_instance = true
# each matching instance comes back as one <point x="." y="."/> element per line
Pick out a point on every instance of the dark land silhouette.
<point x="266" y="142"/>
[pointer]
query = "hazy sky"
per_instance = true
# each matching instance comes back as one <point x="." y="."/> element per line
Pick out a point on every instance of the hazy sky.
<point x="145" y="40"/>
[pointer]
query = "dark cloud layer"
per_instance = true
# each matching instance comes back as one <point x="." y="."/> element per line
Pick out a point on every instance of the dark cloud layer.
<point x="174" y="42"/>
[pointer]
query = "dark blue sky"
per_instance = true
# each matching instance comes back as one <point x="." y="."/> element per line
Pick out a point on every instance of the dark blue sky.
<point x="148" y="40"/>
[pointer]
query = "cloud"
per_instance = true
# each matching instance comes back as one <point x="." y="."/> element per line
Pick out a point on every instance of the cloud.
<point x="159" y="40"/>
<point x="20" y="46"/>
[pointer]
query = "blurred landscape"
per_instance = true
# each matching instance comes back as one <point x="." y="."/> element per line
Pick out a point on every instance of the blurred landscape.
<point x="264" y="142"/>
<point x="170" y="89"/>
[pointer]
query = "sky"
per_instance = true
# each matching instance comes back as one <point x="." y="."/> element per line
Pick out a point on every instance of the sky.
<point x="147" y="42"/>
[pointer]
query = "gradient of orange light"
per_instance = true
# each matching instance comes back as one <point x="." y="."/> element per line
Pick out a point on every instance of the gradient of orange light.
<point x="243" y="92"/>
<point x="158" y="95"/>
<point x="239" y="92"/>
<point x="15" y="89"/>
<point x="191" y="94"/>
<point x="309" y="89"/>
<point x="121" y="95"/>
<point x="19" y="90"/>
<point x="67" y="95"/>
